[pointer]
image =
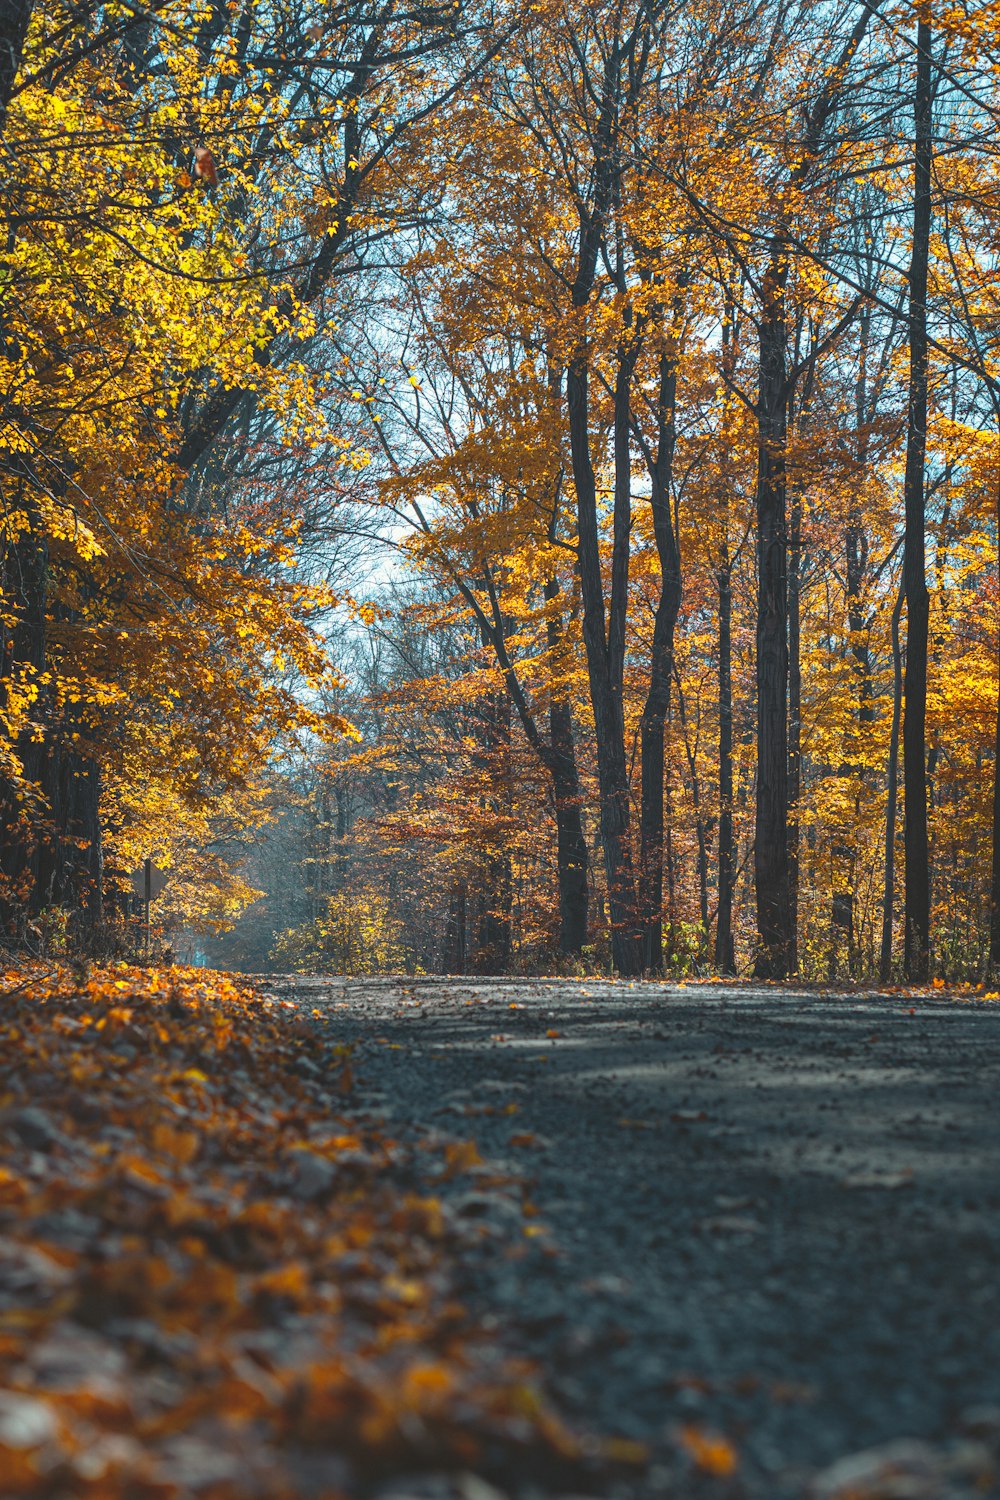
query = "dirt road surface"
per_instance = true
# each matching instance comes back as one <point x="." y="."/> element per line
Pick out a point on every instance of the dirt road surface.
<point x="766" y="1215"/>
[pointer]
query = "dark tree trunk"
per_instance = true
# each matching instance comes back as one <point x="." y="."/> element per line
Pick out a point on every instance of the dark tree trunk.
<point x="571" y="842"/>
<point x="495" y="896"/>
<point x="604" y="634"/>
<point x="775" y="933"/>
<point x="493" y="932"/>
<point x="995" y="881"/>
<point x="604" y="667"/>
<point x="892" y="791"/>
<point x="725" y="953"/>
<point x="916" y="954"/>
<point x="661" y="664"/>
<point x="701" y="828"/>
<point x="558" y="756"/>
<point x="453" y="956"/>
<point x="794" y="721"/>
<point x="70" y="864"/>
<point x="856" y="576"/>
<point x="25" y="591"/>
<point x="795" y="677"/>
<point x="15" y="16"/>
<point x="775" y="941"/>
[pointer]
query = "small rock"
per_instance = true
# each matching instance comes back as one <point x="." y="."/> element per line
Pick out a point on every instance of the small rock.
<point x="194" y="1463"/>
<point x="27" y="1272"/>
<point x="731" y="1224"/>
<point x="314" y="1175"/>
<point x="25" y="1422"/>
<point x="973" y="1462"/>
<point x="110" y="1454"/>
<point x="35" y="1129"/>
<point x="982" y="1422"/>
<point x="484" y="1205"/>
<point x="472" y="1487"/>
<point x="877" y="1179"/>
<point x="903" y="1470"/>
<point x="68" y="1227"/>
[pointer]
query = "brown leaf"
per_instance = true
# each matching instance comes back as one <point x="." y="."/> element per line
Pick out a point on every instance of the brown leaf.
<point x="204" y="166"/>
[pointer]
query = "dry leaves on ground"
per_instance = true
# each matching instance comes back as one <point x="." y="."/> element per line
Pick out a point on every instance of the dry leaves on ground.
<point x="212" y="1281"/>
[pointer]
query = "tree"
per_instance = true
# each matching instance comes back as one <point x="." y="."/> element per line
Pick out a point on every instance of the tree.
<point x="917" y="906"/>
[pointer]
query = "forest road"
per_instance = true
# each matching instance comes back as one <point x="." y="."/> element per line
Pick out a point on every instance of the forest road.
<point x="768" y="1214"/>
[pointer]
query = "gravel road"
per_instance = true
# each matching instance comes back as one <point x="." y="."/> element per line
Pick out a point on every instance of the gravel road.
<point x="768" y="1215"/>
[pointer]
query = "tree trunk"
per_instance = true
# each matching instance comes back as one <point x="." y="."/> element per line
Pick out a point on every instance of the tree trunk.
<point x="494" y="940"/>
<point x="795" y="679"/>
<point x="25" y="591"/>
<point x="453" y="957"/>
<point x="571" y="843"/>
<point x="15" y="16"/>
<point x="661" y="663"/>
<point x="889" y="885"/>
<point x="493" y="932"/>
<point x="794" y="721"/>
<point x="916" y="954"/>
<point x="995" y="882"/>
<point x="725" y="954"/>
<point x="774" y="933"/>
<point x="701" y="829"/>
<point x="604" y="668"/>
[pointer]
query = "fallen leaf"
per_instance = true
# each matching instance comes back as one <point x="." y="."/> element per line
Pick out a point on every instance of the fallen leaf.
<point x="626" y="1451"/>
<point x="710" y="1451"/>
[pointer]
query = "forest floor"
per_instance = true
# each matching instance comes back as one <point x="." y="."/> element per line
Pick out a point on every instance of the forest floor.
<point x="756" y="1232"/>
<point x="322" y="1239"/>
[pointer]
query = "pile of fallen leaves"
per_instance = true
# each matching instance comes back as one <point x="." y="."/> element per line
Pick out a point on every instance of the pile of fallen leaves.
<point x="212" y="1282"/>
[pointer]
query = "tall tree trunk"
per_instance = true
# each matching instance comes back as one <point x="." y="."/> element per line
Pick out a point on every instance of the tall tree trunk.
<point x="571" y="842"/>
<point x="25" y="592"/>
<point x="856" y="541"/>
<point x="775" y="937"/>
<point x="453" y="956"/>
<point x="916" y="954"/>
<point x="604" y="668"/>
<point x="557" y="754"/>
<point x="995" y="881"/>
<point x="661" y="663"/>
<point x="496" y="894"/>
<point x="795" y="676"/>
<point x="892" y="789"/>
<point x="701" y="829"/>
<point x="794" y="720"/>
<point x="725" y="953"/>
<point x="771" y="873"/>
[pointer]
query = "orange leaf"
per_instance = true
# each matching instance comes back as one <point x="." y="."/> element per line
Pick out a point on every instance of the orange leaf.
<point x="711" y="1452"/>
<point x="181" y="1145"/>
